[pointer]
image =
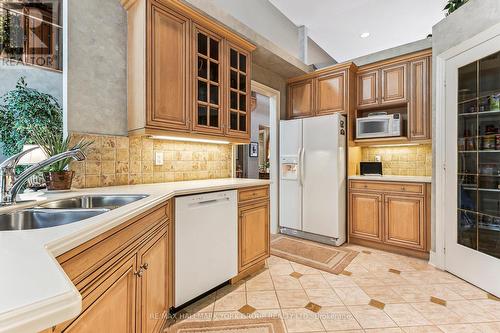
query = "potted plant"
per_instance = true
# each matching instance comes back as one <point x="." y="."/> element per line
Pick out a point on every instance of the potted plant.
<point x="57" y="176"/>
<point x="453" y="5"/>
<point x="24" y="111"/>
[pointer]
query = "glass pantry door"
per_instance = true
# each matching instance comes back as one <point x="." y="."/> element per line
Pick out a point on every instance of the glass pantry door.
<point x="473" y="166"/>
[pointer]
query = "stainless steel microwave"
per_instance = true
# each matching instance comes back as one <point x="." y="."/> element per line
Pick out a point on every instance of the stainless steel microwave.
<point x="379" y="125"/>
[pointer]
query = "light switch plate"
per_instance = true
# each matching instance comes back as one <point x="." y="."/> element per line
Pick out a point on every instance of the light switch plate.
<point x="378" y="158"/>
<point x="158" y="158"/>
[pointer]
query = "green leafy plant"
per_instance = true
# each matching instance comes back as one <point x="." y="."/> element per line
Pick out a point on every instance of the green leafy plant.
<point x="24" y="111"/>
<point x="54" y="143"/>
<point x="453" y="5"/>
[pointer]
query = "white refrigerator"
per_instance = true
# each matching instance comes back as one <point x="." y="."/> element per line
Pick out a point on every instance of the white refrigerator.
<point x="313" y="178"/>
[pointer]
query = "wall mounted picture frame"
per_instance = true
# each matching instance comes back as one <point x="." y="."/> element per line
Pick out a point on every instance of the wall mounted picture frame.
<point x="253" y="150"/>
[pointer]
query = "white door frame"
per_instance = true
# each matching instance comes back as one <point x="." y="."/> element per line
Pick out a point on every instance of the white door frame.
<point x="274" y="120"/>
<point x="438" y="255"/>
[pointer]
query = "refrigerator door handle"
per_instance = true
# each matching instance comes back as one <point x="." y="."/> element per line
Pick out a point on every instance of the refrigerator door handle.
<point x="302" y="166"/>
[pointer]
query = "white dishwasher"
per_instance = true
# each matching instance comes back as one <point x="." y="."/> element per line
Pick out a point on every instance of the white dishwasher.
<point x="206" y="243"/>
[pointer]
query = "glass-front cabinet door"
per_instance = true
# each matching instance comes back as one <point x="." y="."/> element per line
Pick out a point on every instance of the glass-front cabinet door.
<point x="238" y="119"/>
<point x="208" y="114"/>
<point x="478" y="160"/>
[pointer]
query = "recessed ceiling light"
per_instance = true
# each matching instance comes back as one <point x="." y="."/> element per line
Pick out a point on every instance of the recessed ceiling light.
<point x="364" y="34"/>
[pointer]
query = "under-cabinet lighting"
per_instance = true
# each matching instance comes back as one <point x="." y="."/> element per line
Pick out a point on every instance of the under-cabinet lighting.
<point x="176" y="138"/>
<point x="365" y="35"/>
<point x="397" y="145"/>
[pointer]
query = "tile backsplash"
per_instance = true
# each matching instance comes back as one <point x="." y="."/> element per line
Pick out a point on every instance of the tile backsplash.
<point x="119" y="160"/>
<point x="401" y="160"/>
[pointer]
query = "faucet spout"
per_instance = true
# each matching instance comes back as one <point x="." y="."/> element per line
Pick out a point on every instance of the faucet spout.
<point x="10" y="194"/>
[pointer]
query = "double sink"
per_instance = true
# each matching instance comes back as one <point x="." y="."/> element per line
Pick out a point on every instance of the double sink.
<point x="64" y="211"/>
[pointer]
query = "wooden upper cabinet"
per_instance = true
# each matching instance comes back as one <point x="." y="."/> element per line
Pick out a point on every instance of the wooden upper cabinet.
<point x="331" y="93"/>
<point x="238" y="97"/>
<point x="365" y="212"/>
<point x="168" y="70"/>
<point x="368" y="89"/>
<point x="419" y="108"/>
<point x="393" y="84"/>
<point x="404" y="221"/>
<point x="154" y="282"/>
<point x="179" y="73"/>
<point x="253" y="229"/>
<point x="300" y="99"/>
<point x="208" y="106"/>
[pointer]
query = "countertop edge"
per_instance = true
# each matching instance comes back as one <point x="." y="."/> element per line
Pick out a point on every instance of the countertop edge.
<point x="59" y="308"/>
<point x="389" y="178"/>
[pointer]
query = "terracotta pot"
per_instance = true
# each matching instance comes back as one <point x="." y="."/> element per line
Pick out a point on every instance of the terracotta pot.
<point x="57" y="181"/>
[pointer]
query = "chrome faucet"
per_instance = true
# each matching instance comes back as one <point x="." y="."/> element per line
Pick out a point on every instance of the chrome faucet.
<point x="11" y="184"/>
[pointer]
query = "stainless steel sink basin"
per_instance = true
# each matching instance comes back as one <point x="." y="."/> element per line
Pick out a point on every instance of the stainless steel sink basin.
<point x="45" y="218"/>
<point x="94" y="201"/>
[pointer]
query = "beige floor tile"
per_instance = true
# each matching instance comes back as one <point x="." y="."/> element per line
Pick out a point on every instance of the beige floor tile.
<point x="292" y="298"/>
<point x="313" y="282"/>
<point x="367" y="279"/>
<point x="370" y="317"/>
<point x="338" y="318"/>
<point x="441" y="291"/>
<point x="324" y="297"/>
<point x="356" y="268"/>
<point x="286" y="282"/>
<point x="305" y="270"/>
<point x="346" y="331"/>
<point x="352" y="295"/>
<point x="421" y="329"/>
<point x="262" y="299"/>
<point x="339" y="280"/>
<point x="281" y="269"/>
<point x="489" y="306"/>
<point x="384" y="294"/>
<point x="206" y="304"/>
<point x="273" y="260"/>
<point x="488" y="327"/>
<point x="437" y="314"/>
<point x="391" y="279"/>
<point x="405" y="315"/>
<point x="266" y="313"/>
<point x="230" y="288"/>
<point x="302" y="320"/>
<point x="469" y="312"/>
<point x="384" y="330"/>
<point x="260" y="283"/>
<point x="230" y="302"/>
<point x="411" y="293"/>
<point x="467" y="291"/>
<point x="459" y="328"/>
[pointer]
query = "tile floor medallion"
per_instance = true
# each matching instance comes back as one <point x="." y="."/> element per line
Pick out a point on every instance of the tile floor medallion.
<point x="385" y="292"/>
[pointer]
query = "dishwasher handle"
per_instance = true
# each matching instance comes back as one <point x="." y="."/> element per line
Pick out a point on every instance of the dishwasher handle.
<point x="209" y="201"/>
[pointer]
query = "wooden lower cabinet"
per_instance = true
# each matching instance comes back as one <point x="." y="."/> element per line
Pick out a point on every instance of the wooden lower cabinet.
<point x="390" y="216"/>
<point x="110" y="305"/>
<point x="366" y="215"/>
<point x="154" y="284"/>
<point x="133" y="292"/>
<point x="254" y="243"/>
<point x="253" y="234"/>
<point x="404" y="221"/>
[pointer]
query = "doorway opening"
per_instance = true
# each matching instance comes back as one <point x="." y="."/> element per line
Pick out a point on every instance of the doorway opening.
<point x="259" y="159"/>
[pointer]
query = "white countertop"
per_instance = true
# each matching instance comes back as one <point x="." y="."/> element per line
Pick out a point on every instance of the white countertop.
<point x="388" y="178"/>
<point x="35" y="293"/>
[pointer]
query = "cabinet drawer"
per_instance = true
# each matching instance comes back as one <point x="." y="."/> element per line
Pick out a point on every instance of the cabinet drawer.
<point x="414" y="188"/>
<point x="254" y="193"/>
<point x="88" y="260"/>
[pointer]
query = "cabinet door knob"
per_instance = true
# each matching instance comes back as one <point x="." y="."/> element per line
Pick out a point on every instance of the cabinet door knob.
<point x="403" y="188"/>
<point x="140" y="272"/>
<point x="145" y="266"/>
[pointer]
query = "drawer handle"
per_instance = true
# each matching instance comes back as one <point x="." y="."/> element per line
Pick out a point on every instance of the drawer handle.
<point x="403" y="188"/>
<point x="365" y="186"/>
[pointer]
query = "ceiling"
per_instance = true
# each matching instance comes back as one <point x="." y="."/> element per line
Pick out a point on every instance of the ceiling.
<point x="336" y="25"/>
